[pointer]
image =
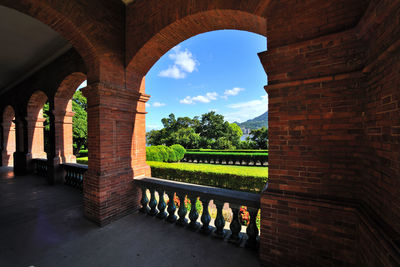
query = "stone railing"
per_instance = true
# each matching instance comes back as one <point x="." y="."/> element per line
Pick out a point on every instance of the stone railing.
<point x="74" y="174"/>
<point x="236" y="199"/>
<point x="230" y="159"/>
<point x="40" y="167"/>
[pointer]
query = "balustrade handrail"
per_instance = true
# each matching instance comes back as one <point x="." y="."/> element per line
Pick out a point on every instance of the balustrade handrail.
<point x="75" y="165"/>
<point x="192" y="192"/>
<point x="217" y="194"/>
<point x="74" y="174"/>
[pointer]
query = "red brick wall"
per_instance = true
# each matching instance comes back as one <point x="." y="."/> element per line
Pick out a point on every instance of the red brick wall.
<point x="334" y="112"/>
<point x="315" y="132"/>
<point x="380" y="231"/>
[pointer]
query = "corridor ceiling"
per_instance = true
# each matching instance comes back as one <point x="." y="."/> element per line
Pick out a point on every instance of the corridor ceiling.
<point x="26" y="46"/>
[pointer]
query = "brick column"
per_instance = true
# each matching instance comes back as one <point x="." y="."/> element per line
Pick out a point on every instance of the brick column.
<point x="21" y="142"/>
<point x="115" y="119"/>
<point x="36" y="137"/>
<point x="64" y="137"/>
<point x="8" y="143"/>
<point x="308" y="215"/>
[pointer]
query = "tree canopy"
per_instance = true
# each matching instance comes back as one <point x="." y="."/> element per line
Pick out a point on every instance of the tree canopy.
<point x="208" y="131"/>
<point x="79" y="106"/>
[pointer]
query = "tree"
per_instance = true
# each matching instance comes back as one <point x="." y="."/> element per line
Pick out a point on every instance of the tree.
<point x="79" y="106"/>
<point x="210" y="131"/>
<point x="46" y="124"/>
<point x="260" y="137"/>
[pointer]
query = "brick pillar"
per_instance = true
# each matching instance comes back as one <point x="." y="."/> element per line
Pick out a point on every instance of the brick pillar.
<point x="21" y="142"/>
<point x="308" y="215"/>
<point x="8" y="146"/>
<point x="115" y="115"/>
<point x="64" y="137"/>
<point x="36" y="137"/>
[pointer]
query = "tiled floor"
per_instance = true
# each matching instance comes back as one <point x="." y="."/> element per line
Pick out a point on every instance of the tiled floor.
<point x="42" y="225"/>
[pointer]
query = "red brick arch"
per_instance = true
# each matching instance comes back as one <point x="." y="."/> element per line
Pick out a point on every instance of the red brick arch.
<point x="63" y="115"/>
<point x="35" y="125"/>
<point x="8" y="136"/>
<point x="182" y="29"/>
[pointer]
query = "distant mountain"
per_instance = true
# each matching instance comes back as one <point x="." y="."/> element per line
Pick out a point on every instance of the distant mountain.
<point x="256" y="123"/>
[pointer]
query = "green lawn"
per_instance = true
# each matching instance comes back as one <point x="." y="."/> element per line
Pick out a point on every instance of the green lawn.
<point x="227" y="169"/>
<point x="244" y="178"/>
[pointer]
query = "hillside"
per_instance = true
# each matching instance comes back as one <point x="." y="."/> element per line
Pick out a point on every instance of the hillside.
<point x="255" y="123"/>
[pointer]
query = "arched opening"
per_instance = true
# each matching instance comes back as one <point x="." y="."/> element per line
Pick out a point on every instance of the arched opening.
<point x="8" y="137"/>
<point x="209" y="130"/>
<point x="36" y="126"/>
<point x="64" y="118"/>
<point x="141" y="57"/>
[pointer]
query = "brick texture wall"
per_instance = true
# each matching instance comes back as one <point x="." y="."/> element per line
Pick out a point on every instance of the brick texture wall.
<point x="333" y="70"/>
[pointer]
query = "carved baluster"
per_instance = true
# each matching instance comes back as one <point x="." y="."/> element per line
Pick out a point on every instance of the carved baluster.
<point x="252" y="230"/>
<point x="153" y="203"/>
<point x="144" y="201"/>
<point x="182" y="210"/>
<point x="171" y="208"/>
<point x="205" y="217"/>
<point x="193" y="214"/>
<point x="161" y="205"/>
<point x="235" y="226"/>
<point x="219" y="221"/>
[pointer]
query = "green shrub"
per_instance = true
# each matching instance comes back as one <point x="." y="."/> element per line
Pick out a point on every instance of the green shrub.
<point x="179" y="151"/>
<point x="251" y="179"/>
<point x="171" y="155"/>
<point x="153" y="153"/>
<point x="163" y="153"/>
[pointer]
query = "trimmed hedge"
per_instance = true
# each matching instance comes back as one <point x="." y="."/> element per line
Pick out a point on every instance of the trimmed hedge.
<point x="165" y="154"/>
<point x="229" y="151"/>
<point x="227" y="158"/>
<point x="83" y="153"/>
<point x="83" y="160"/>
<point x="250" y="179"/>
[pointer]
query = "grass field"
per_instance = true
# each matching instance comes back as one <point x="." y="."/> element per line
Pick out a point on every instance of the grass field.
<point x="226" y="169"/>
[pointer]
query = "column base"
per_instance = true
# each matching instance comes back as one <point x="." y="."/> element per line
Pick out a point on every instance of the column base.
<point x="55" y="173"/>
<point x="20" y="163"/>
<point x="104" y="203"/>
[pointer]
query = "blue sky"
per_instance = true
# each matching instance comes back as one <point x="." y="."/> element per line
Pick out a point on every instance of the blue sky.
<point x="218" y="70"/>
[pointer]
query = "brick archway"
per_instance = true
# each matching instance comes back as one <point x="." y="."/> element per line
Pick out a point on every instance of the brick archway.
<point x="140" y="61"/>
<point x="8" y="146"/>
<point x="63" y="116"/>
<point x="35" y="125"/>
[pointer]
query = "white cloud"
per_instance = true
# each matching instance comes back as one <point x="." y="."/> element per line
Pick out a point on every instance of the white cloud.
<point x="158" y="104"/>
<point x="212" y="96"/>
<point x="234" y="91"/>
<point x="247" y="110"/>
<point x="200" y="98"/>
<point x="148" y="105"/>
<point x="183" y="59"/>
<point x="172" y="72"/>
<point x="184" y="63"/>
